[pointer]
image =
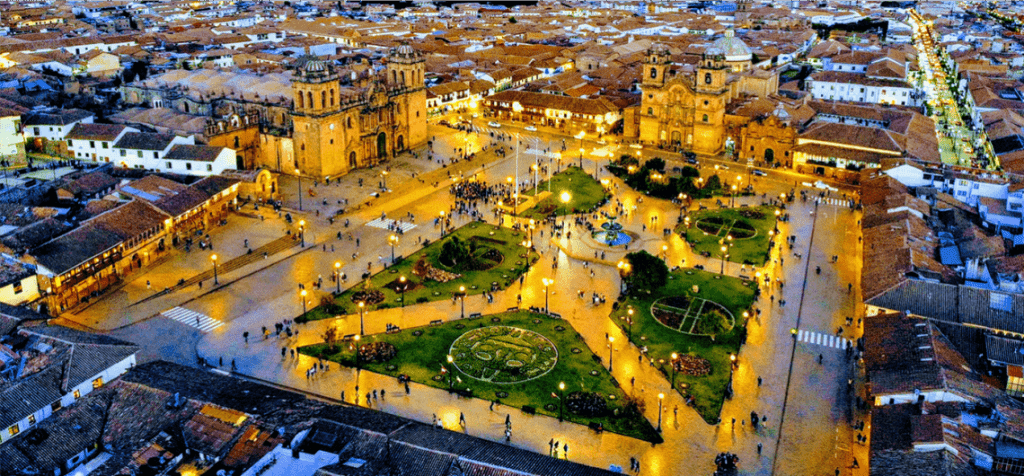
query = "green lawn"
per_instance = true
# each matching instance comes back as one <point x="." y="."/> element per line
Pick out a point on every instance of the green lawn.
<point x="734" y="294"/>
<point x="749" y="228"/>
<point x="586" y="193"/>
<point x="514" y="261"/>
<point x="422" y="356"/>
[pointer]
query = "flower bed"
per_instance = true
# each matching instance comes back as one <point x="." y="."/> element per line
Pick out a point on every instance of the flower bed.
<point x="692" y="365"/>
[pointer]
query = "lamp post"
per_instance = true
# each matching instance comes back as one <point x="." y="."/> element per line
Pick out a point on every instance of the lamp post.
<point x="401" y="280"/>
<point x="661" y="401"/>
<point x="565" y="197"/>
<point x="624" y="268"/>
<point x="733" y="201"/>
<point x="299" y="175"/>
<point x="384" y="175"/>
<point x="462" y="297"/>
<point x="547" y="282"/>
<point x="449" y="372"/>
<point x="561" y="399"/>
<point x="611" y="354"/>
<point x="356" y="338"/>
<point x="672" y="363"/>
<point x="213" y="258"/>
<point x="536" y="179"/>
<point x="664" y="253"/>
<point x="393" y="240"/>
<point x="442" y="224"/>
<point x="629" y="322"/>
<point x="302" y="232"/>
<point x="337" y="275"/>
<point x="302" y="294"/>
<point x="724" y="249"/>
<point x="362" y="307"/>
<point x="580" y="137"/>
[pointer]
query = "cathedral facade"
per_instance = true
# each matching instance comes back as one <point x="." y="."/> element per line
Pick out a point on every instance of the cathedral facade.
<point x="685" y="109"/>
<point x="338" y="127"/>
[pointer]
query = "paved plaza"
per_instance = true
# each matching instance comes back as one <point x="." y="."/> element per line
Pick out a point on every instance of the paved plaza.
<point x="806" y="402"/>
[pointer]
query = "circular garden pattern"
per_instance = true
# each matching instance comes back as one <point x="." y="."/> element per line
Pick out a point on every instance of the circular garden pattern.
<point x="503" y="354"/>
<point x="693" y="315"/>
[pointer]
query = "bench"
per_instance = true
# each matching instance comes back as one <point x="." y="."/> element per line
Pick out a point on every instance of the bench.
<point x="435" y="322"/>
<point x="475" y="315"/>
<point x="512" y="309"/>
<point x="555" y="315"/>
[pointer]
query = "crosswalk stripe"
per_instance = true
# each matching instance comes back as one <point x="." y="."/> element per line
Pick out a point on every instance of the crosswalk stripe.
<point x="386" y="223"/>
<point x="191" y="318"/>
<point x="824" y="340"/>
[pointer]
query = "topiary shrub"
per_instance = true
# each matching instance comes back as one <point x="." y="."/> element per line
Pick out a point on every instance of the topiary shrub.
<point x="586" y="404"/>
<point x="377" y="352"/>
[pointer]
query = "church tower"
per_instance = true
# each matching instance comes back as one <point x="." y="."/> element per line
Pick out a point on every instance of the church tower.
<point x="405" y="79"/>
<point x="316" y="117"/>
<point x="656" y="65"/>
<point x="711" y="98"/>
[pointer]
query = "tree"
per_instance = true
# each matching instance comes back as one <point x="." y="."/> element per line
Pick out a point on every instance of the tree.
<point x="647" y="272"/>
<point x="656" y="163"/>
<point x="331" y="337"/>
<point x="512" y="20"/>
<point x="455" y="253"/>
<point x="713" y="185"/>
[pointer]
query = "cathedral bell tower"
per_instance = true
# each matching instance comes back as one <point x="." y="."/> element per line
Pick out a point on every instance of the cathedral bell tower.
<point x="656" y="64"/>
<point x="316" y="118"/>
<point x="711" y="97"/>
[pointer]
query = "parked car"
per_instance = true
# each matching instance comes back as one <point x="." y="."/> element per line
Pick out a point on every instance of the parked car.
<point x="825" y="186"/>
<point x="493" y="124"/>
<point x="691" y="158"/>
<point x="759" y="173"/>
<point x="636" y="146"/>
<point x="530" y="128"/>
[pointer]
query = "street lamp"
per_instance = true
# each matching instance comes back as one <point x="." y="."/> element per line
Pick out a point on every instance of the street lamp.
<point x="561" y="399"/>
<point x="356" y="338"/>
<point x="302" y="232"/>
<point x="401" y="280"/>
<point x="462" y="297"/>
<point x="442" y="224"/>
<point x="536" y="171"/>
<point x="565" y="197"/>
<point x="337" y="275"/>
<point x="611" y="355"/>
<point x="733" y="197"/>
<point x="213" y="258"/>
<point x="299" y="175"/>
<point x="547" y="282"/>
<point x="384" y="174"/>
<point x="580" y="137"/>
<point x="664" y="253"/>
<point x="724" y="249"/>
<point x="449" y="372"/>
<point x="302" y="294"/>
<point x="393" y="240"/>
<point x="362" y="307"/>
<point x="624" y="268"/>
<point x="661" y="401"/>
<point x="672" y="364"/>
<point x="732" y="360"/>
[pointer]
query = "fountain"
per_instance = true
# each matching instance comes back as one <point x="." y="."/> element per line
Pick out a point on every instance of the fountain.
<point x="612" y="234"/>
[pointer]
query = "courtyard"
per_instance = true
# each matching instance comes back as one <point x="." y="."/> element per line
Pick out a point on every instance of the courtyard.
<point x="584" y="194"/>
<point x="521" y="359"/>
<point x="698" y="316"/>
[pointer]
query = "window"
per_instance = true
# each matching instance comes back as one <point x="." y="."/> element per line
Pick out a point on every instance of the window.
<point x="14" y="430"/>
<point x="97" y="383"/>
<point x="106" y="145"/>
<point x="188" y="166"/>
<point x="138" y="153"/>
<point x="169" y="166"/>
<point x="77" y="394"/>
<point x="17" y="288"/>
<point x="55" y="406"/>
<point x="124" y="153"/>
<point x="654" y="73"/>
<point x="155" y="156"/>
<point x="92" y="144"/>
<point x="705" y="118"/>
<point x="69" y="143"/>
<point x="35" y="131"/>
<point x="31" y="420"/>
<point x="209" y="167"/>
<point x="650" y="111"/>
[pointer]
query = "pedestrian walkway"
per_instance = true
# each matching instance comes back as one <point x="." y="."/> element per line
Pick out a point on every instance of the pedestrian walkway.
<point x="826" y="340"/>
<point x="389" y="224"/>
<point x="835" y="201"/>
<point x="276" y="246"/>
<point x="191" y="318"/>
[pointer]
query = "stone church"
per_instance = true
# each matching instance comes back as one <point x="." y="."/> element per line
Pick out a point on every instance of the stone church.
<point x="321" y="119"/>
<point x="684" y="106"/>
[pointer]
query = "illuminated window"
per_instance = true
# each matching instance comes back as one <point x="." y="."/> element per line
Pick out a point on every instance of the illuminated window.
<point x="97" y="383"/>
<point x="13" y="430"/>
<point x="77" y="394"/>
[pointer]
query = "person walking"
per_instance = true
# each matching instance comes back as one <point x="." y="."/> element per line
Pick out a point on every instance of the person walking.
<point x="759" y="446"/>
<point x="462" y="419"/>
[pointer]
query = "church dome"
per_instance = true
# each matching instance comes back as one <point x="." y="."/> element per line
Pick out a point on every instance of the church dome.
<point x="734" y="49"/>
<point x="406" y="50"/>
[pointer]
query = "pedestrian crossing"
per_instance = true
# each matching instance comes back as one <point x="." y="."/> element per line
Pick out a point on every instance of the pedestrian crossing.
<point x="389" y="224"/>
<point x="191" y="318"/>
<point x="834" y="201"/>
<point x="825" y="340"/>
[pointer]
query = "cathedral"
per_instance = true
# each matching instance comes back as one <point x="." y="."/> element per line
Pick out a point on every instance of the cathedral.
<point x="340" y="123"/>
<point x="683" y="106"/>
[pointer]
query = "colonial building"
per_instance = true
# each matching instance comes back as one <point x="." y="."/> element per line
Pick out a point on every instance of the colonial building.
<point x="685" y="107"/>
<point x="337" y="128"/>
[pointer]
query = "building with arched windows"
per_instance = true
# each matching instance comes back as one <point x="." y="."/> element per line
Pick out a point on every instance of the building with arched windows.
<point x="683" y="105"/>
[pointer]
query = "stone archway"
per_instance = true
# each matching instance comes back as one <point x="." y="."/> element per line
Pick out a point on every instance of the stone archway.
<point x="769" y="156"/>
<point x="382" y="146"/>
<point x="400" y="143"/>
<point x="352" y="162"/>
